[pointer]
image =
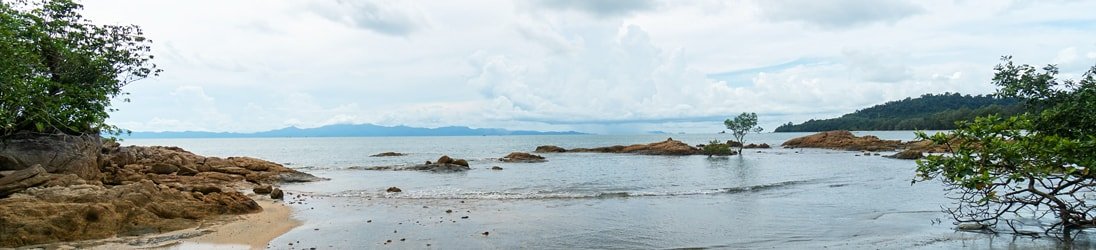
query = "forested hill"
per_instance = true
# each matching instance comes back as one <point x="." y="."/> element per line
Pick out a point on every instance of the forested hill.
<point x="928" y="112"/>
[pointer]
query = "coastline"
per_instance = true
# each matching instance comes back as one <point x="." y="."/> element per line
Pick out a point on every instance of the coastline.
<point x="248" y="231"/>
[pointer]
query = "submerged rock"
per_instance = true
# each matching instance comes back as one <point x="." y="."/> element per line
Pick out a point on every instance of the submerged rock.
<point x="843" y="140"/>
<point x="387" y="154"/>
<point x="522" y="157"/>
<point x="751" y="145"/>
<point x="496" y="168"/>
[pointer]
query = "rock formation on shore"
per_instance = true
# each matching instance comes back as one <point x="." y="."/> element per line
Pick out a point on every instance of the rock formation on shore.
<point x="66" y="188"/>
<point x="843" y="140"/>
<point x="443" y="164"/>
<point x="667" y="147"/>
<point x="522" y="158"/>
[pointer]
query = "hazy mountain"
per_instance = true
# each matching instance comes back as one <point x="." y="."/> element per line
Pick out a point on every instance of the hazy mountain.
<point x="350" y="130"/>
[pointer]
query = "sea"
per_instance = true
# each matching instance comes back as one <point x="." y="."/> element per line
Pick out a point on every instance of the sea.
<point x="776" y="198"/>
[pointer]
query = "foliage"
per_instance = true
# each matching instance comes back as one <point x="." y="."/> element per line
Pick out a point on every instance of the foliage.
<point x="714" y="147"/>
<point x="59" y="72"/>
<point x="1031" y="165"/>
<point x="929" y="111"/>
<point x="741" y="125"/>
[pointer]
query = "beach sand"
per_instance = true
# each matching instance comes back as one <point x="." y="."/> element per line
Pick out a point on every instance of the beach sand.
<point x="250" y="231"/>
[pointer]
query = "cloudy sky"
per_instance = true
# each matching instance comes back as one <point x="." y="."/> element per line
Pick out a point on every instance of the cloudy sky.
<point x="599" y="66"/>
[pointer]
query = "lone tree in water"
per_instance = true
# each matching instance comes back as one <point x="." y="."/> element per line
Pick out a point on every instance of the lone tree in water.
<point x="1036" y="166"/>
<point x="741" y="125"/>
<point x="59" y="72"/>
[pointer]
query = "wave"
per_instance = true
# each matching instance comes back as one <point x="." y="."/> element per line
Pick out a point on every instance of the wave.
<point x="545" y="195"/>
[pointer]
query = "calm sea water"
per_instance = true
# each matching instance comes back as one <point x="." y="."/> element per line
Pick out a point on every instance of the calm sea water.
<point x="766" y="198"/>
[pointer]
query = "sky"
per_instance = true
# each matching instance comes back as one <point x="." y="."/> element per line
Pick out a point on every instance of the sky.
<point x="595" y="66"/>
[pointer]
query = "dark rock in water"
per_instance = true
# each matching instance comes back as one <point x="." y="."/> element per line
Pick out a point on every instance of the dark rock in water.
<point x="522" y="157"/>
<point x="667" y="147"/>
<point x="449" y="211"/>
<point x="734" y="144"/>
<point x="909" y="154"/>
<point x="496" y="168"/>
<point x="163" y="168"/>
<point x="763" y="145"/>
<point x="445" y="160"/>
<point x="461" y="162"/>
<point x="264" y="189"/>
<point x="277" y="194"/>
<point x="549" y="149"/>
<point x="486" y="233"/>
<point x="387" y="154"/>
<point x="393" y="190"/>
<point x="59" y="153"/>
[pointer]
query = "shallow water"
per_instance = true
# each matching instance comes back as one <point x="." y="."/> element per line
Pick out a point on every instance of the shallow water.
<point x="766" y="198"/>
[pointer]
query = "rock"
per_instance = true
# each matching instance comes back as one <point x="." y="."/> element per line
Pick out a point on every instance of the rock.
<point x="909" y="154"/>
<point x="763" y="145"/>
<point x="496" y="168"/>
<point x="460" y="162"/>
<point x="387" y="154"/>
<point x="163" y="168"/>
<point x="522" y="157"/>
<point x="393" y="190"/>
<point x="843" y="140"/>
<point x="734" y="144"/>
<point x="56" y="153"/>
<point x="277" y="194"/>
<point x="971" y="226"/>
<point x="22" y="179"/>
<point x="264" y="189"/>
<point x="444" y="160"/>
<point x="667" y="147"/>
<point x="549" y="149"/>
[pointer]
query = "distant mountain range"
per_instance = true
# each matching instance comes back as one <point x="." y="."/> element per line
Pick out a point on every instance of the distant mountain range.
<point x="349" y="130"/>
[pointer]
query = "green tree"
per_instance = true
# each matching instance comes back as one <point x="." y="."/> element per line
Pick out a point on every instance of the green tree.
<point x="59" y="72"/>
<point x="1033" y="165"/>
<point x="715" y="147"/>
<point x="741" y="125"/>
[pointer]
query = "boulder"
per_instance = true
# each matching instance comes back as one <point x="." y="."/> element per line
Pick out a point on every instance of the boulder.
<point x="444" y="160"/>
<point x="387" y="154"/>
<point x="496" y="168"/>
<point x="734" y="144"/>
<point x="522" y="157"/>
<point x="763" y="145"/>
<point x="393" y="190"/>
<point x="163" y="168"/>
<point x="56" y="153"/>
<point x="460" y="162"/>
<point x="264" y="189"/>
<point x="277" y="194"/>
<point x="843" y="140"/>
<point x="909" y="154"/>
<point x="549" y="149"/>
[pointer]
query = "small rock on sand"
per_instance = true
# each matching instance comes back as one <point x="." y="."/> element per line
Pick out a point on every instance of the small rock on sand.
<point x="393" y="190"/>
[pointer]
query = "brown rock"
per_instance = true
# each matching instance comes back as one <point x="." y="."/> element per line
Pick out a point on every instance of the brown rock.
<point x="460" y="162"/>
<point x="496" y="168"/>
<point x="843" y="140"/>
<point x="163" y="168"/>
<point x="667" y="147"/>
<point x="549" y="149"/>
<point x="393" y="190"/>
<point x="58" y="153"/>
<point x="909" y="154"/>
<point x="763" y="145"/>
<point x="264" y="189"/>
<point x="444" y="160"/>
<point x="522" y="157"/>
<point x="277" y="194"/>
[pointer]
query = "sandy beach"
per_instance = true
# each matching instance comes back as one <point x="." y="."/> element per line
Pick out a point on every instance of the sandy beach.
<point x="250" y="231"/>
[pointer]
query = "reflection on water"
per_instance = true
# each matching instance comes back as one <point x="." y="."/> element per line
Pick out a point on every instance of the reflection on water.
<point x="803" y="198"/>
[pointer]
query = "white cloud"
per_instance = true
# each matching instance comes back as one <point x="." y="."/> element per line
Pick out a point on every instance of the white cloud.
<point x="600" y="8"/>
<point x="839" y="14"/>
<point x="386" y="17"/>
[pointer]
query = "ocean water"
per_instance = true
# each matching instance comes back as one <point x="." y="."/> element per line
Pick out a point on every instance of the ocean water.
<point x="765" y="198"/>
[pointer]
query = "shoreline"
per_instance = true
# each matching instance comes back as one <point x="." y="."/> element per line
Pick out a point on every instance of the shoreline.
<point x="248" y="231"/>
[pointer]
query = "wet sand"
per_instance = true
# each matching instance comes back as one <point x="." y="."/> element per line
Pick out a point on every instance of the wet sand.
<point x="250" y="231"/>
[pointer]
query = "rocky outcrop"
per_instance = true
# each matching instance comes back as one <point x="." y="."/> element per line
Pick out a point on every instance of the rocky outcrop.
<point x="522" y="158"/>
<point x="667" y="147"/>
<point x="134" y="190"/>
<point x="549" y="149"/>
<point x="843" y="140"/>
<point x="387" y="154"/>
<point x="443" y="164"/>
<point x="60" y="154"/>
<point x="751" y="145"/>
<point x="909" y="154"/>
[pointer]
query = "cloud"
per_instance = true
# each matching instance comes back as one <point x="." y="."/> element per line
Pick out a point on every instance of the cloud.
<point x="600" y="8"/>
<point x="840" y="13"/>
<point x="385" y="17"/>
<point x="878" y="65"/>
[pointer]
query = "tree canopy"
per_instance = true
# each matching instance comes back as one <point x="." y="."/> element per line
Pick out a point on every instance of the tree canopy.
<point x="59" y="71"/>
<point x="927" y="112"/>
<point x="1035" y="165"/>
<point x="743" y="124"/>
